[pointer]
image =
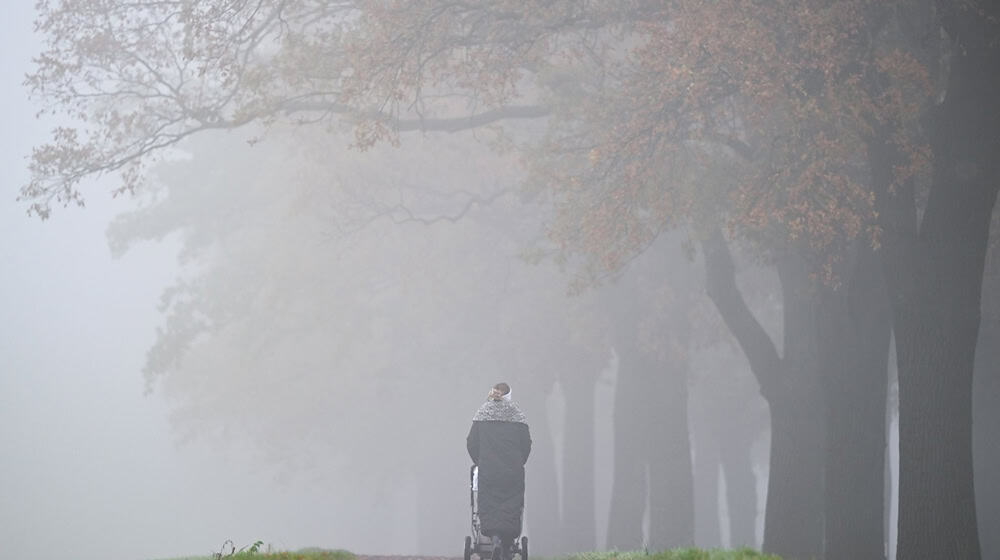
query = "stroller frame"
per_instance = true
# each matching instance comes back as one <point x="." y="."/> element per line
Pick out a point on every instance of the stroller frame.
<point x="482" y="545"/>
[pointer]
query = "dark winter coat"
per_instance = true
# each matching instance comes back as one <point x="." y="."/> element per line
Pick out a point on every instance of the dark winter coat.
<point x="499" y="443"/>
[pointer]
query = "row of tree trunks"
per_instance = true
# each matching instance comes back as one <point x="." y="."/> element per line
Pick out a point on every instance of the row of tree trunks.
<point x="653" y="470"/>
<point x="826" y="476"/>
<point x="647" y="395"/>
<point x="828" y="399"/>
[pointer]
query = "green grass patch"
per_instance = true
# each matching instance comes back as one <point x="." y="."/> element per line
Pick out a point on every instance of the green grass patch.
<point x="677" y="554"/>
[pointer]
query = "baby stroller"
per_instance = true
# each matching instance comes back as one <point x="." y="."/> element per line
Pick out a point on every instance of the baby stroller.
<point x="482" y="545"/>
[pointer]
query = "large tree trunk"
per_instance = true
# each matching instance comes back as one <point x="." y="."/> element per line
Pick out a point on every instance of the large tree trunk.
<point x="935" y="277"/>
<point x="795" y="522"/>
<point x="937" y="517"/>
<point x="578" y="532"/>
<point x="671" y="483"/>
<point x="936" y="314"/>
<point x="794" y="512"/>
<point x="854" y="329"/>
<point x="628" y="492"/>
<point x="794" y="518"/>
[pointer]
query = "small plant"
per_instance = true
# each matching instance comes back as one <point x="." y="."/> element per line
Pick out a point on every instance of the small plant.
<point x="222" y="551"/>
<point x="250" y="550"/>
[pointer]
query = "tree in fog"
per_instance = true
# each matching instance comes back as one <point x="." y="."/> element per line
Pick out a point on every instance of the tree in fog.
<point x="650" y="307"/>
<point x="820" y="121"/>
<point x="167" y="69"/>
<point x="838" y="91"/>
<point x="935" y="250"/>
<point x="317" y="272"/>
<point x="729" y="416"/>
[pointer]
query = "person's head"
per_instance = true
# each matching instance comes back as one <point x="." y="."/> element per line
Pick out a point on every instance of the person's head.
<point x="500" y="392"/>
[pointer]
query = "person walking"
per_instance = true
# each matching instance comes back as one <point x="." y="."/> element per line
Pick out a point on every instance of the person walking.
<point x="499" y="443"/>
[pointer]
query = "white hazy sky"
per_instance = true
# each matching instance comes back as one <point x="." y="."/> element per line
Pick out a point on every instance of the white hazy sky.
<point x="88" y="466"/>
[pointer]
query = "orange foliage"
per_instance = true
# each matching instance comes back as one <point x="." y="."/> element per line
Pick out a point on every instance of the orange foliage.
<point x="659" y="114"/>
<point x="758" y="111"/>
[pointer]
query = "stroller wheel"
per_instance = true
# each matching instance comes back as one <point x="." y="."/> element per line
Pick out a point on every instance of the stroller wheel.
<point x="524" y="548"/>
<point x="468" y="548"/>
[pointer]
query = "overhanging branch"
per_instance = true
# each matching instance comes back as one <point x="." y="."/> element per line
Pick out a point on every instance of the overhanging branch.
<point x="444" y="124"/>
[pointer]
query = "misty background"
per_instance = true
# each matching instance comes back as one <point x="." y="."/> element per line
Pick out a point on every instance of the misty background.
<point x="98" y="463"/>
<point x="278" y="337"/>
<point x="89" y="466"/>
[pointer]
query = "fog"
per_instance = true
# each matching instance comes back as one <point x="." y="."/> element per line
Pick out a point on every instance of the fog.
<point x="90" y="465"/>
<point x="281" y="328"/>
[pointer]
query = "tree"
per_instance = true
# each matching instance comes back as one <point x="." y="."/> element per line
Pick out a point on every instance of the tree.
<point x="285" y="290"/>
<point x="610" y="155"/>
<point x="935" y="251"/>
<point x="799" y="91"/>
<point x="728" y="419"/>
<point x="648" y="307"/>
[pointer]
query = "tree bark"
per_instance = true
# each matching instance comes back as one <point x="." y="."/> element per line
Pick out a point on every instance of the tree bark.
<point x="794" y="519"/>
<point x="936" y="501"/>
<point x="794" y="512"/>
<point x="935" y="274"/>
<point x="854" y="329"/>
